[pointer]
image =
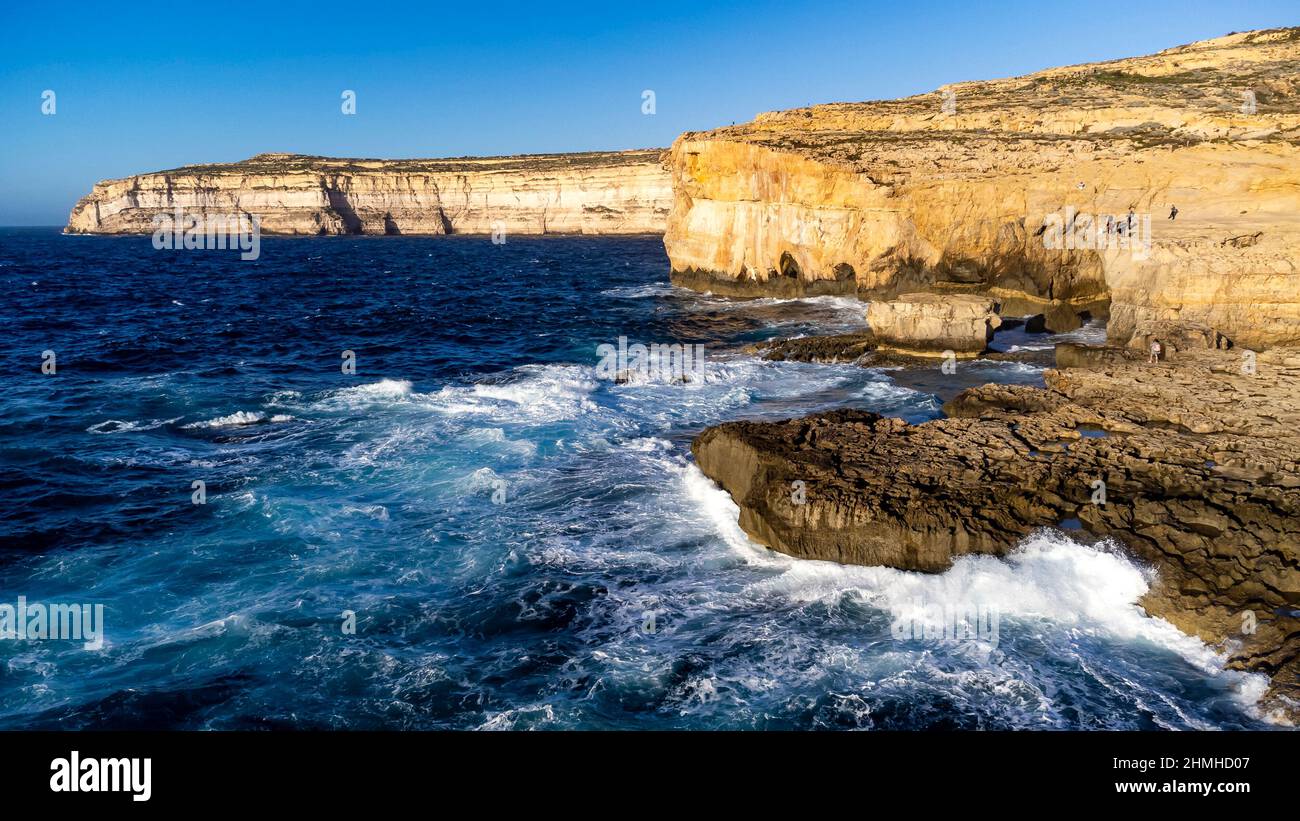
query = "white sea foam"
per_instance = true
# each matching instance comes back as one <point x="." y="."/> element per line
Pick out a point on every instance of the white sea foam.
<point x="377" y="512"/>
<point x="495" y="439"/>
<point x="483" y="479"/>
<point x="641" y="291"/>
<point x="283" y="397"/>
<point x="1049" y="583"/>
<point x="384" y="389"/>
<point x="722" y="514"/>
<point x="118" y="426"/>
<point x="529" y="394"/>
<point x="536" y="715"/>
<point x="1049" y="580"/>
<point x="354" y="398"/>
<point x="883" y="393"/>
<point x="239" y="418"/>
<point x="234" y="419"/>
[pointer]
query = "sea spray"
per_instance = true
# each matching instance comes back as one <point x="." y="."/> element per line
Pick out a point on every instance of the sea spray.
<point x="942" y="621"/>
<point x="657" y="362"/>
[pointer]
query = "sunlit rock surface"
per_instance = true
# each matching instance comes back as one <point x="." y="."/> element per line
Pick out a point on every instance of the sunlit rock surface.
<point x="623" y="192"/>
<point x="963" y="190"/>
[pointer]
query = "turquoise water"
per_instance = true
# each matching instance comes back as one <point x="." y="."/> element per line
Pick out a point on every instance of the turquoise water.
<point x="523" y="544"/>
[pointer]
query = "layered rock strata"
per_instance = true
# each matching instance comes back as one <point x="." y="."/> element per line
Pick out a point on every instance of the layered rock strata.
<point x="623" y="192"/>
<point x="1022" y="189"/>
<point x="931" y="325"/>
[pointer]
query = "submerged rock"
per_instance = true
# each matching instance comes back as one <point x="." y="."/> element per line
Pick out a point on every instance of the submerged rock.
<point x="830" y="349"/>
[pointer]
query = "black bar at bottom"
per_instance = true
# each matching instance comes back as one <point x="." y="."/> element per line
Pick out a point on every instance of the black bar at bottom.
<point x="369" y="770"/>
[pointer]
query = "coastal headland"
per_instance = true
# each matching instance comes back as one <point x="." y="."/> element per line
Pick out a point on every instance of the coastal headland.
<point x="1160" y="194"/>
<point x="613" y="192"/>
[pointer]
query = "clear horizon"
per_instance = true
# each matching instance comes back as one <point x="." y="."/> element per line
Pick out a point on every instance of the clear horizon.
<point x="136" y="92"/>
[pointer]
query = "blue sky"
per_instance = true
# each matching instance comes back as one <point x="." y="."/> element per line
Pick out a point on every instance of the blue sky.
<point x="142" y="87"/>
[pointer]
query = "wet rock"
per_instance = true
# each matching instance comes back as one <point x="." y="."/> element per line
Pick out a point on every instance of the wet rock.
<point x="1199" y="464"/>
<point x="835" y="348"/>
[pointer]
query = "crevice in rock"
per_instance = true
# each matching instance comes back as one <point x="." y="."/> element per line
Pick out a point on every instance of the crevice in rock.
<point x="347" y="214"/>
<point x="788" y="267"/>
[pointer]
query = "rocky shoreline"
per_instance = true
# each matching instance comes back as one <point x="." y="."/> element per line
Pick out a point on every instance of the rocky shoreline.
<point x="1191" y="464"/>
<point x="954" y="214"/>
<point x="1044" y="197"/>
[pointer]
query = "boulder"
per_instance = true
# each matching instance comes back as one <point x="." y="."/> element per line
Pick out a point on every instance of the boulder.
<point x="1074" y="355"/>
<point x="1058" y="319"/>
<point x="931" y="324"/>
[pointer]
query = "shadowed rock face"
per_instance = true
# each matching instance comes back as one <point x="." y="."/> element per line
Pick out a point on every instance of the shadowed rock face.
<point x="617" y="192"/>
<point x="912" y="195"/>
<point x="1200" y="463"/>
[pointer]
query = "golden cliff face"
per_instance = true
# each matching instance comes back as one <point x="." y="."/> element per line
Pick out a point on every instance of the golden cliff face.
<point x="1021" y="189"/>
<point x="625" y="192"/>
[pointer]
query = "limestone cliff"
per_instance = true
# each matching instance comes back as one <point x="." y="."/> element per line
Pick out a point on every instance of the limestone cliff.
<point x="624" y="192"/>
<point x="964" y="189"/>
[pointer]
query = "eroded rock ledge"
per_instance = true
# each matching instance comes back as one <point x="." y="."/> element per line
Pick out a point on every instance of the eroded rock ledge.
<point x="613" y="192"/>
<point x="1200" y="462"/>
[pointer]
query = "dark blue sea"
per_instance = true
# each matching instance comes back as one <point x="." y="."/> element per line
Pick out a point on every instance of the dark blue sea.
<point x="523" y="544"/>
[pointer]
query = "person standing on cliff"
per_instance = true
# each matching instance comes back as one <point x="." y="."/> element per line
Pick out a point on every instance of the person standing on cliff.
<point x="1155" y="352"/>
<point x="1173" y="211"/>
